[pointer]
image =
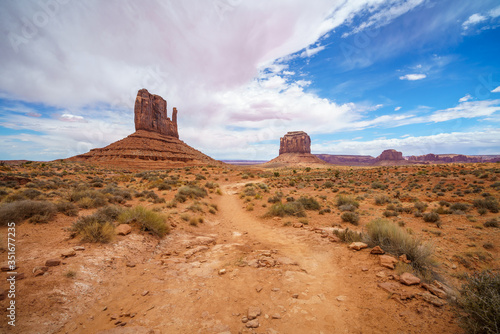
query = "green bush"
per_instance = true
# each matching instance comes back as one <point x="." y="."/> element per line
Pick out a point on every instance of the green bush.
<point x="309" y="203"/>
<point x="459" y="207"/>
<point x="489" y="203"/>
<point x="67" y="208"/>
<point x="190" y="191"/>
<point x="88" y="198"/>
<point x="343" y="200"/>
<point x="381" y="200"/>
<point x="147" y="220"/>
<point x="350" y="217"/>
<point x="288" y="209"/>
<point x="420" y="206"/>
<point x="480" y="303"/>
<point x="21" y="210"/>
<point x="397" y="241"/>
<point x="431" y="217"/>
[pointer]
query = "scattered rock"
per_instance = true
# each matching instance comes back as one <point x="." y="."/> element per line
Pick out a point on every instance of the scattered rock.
<point x="297" y="225"/>
<point x="244" y="320"/>
<point x="390" y="287"/>
<point x="17" y="276"/>
<point x="222" y="271"/>
<point x="364" y="269"/>
<point x="277" y="218"/>
<point x="387" y="261"/>
<point x="433" y="299"/>
<point x="295" y="295"/>
<point x="68" y="252"/>
<point x="334" y="238"/>
<point x="404" y="259"/>
<point x="253" y="312"/>
<point x="358" y="245"/>
<point x="6" y="267"/>
<point x="258" y="288"/>
<point x="40" y="270"/>
<point x="52" y="262"/>
<point x="79" y="248"/>
<point x="275" y="289"/>
<point x="252" y="323"/>
<point x="130" y="264"/>
<point x="409" y="279"/>
<point x="144" y="293"/>
<point x="377" y="250"/>
<point x="380" y="274"/>
<point x="194" y="250"/>
<point x="341" y="298"/>
<point x="435" y="291"/>
<point x="276" y="316"/>
<point x="123" y="229"/>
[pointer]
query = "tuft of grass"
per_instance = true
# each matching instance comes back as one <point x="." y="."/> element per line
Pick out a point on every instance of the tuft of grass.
<point x="350" y="217"/>
<point x="70" y="274"/>
<point x="147" y="220"/>
<point x="93" y="228"/>
<point x="309" y="203"/>
<point x="21" y="210"/>
<point x="381" y="200"/>
<point x="67" y="208"/>
<point x="491" y="223"/>
<point x="190" y="191"/>
<point x="344" y="200"/>
<point x="347" y="235"/>
<point x="480" y="303"/>
<point x="88" y="198"/>
<point x="431" y="217"/>
<point x="490" y="203"/>
<point x="287" y="209"/>
<point x="397" y="241"/>
<point x="420" y="206"/>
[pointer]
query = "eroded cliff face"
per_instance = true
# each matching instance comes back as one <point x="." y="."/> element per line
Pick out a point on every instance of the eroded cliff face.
<point x="295" y="142"/>
<point x="150" y="114"/>
<point x="391" y="155"/>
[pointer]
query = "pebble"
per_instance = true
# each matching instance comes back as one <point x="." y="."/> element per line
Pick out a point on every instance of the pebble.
<point x="253" y="323"/>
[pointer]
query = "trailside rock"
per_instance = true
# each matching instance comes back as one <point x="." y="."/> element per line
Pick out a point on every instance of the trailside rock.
<point x="387" y="261"/>
<point x="150" y="114"/>
<point x="358" y="245"/>
<point x="409" y="279"/>
<point x="377" y="250"/>
<point x="253" y="312"/>
<point x="295" y="142"/>
<point x="123" y="229"/>
<point x="52" y="262"/>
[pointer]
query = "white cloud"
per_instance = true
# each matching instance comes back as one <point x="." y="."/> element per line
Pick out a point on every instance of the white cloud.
<point x="309" y="52"/>
<point x="496" y="90"/>
<point x="495" y="12"/>
<point x="397" y="108"/>
<point x="473" y="20"/>
<point x="467" y="97"/>
<point x="413" y="77"/>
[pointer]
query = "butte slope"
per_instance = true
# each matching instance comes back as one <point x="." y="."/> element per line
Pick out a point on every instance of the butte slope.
<point x="154" y="145"/>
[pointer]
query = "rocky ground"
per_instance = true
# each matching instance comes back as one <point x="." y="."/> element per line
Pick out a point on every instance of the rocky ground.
<point x="240" y="272"/>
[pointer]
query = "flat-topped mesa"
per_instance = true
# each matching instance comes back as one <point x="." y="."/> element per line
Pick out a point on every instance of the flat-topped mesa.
<point x="295" y="142"/>
<point x="150" y="114"/>
<point x="391" y="155"/>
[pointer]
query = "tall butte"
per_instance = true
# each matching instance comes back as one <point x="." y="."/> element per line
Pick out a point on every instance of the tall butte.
<point x="155" y="143"/>
<point x="295" y="148"/>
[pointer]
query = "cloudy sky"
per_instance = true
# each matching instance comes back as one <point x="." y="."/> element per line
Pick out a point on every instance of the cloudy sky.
<point x="359" y="76"/>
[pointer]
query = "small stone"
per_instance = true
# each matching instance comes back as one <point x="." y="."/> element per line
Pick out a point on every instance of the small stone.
<point x="79" y="248"/>
<point x="6" y="267"/>
<point x="275" y="289"/>
<point x="334" y="238"/>
<point x="387" y="261"/>
<point x="409" y="279"/>
<point x="52" y="262"/>
<point x="68" y="252"/>
<point x="277" y="218"/>
<point x="130" y="264"/>
<point x="364" y="269"/>
<point x="253" y="312"/>
<point x="252" y="323"/>
<point x="244" y="320"/>
<point x="40" y="268"/>
<point x="276" y="316"/>
<point x="404" y="259"/>
<point x="435" y="291"/>
<point x="341" y="298"/>
<point x="358" y="245"/>
<point x="113" y="317"/>
<point x="258" y="288"/>
<point x="144" y="293"/>
<point x="295" y="295"/>
<point x="297" y="225"/>
<point x="380" y="274"/>
<point x="222" y="271"/>
<point x="123" y="229"/>
<point x="377" y="250"/>
<point x="16" y="276"/>
<point x="433" y="299"/>
<point x="105" y="308"/>
<point x="38" y="272"/>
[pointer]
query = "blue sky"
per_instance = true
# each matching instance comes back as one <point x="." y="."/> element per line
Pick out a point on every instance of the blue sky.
<point x="419" y="76"/>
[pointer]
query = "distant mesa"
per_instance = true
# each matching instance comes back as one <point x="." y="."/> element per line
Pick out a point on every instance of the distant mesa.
<point x="154" y="145"/>
<point x="391" y="155"/>
<point x="295" y="149"/>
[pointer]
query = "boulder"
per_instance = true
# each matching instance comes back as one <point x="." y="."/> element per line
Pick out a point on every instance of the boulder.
<point x="387" y="261"/>
<point x="358" y="245"/>
<point x="253" y="323"/>
<point x="377" y="250"/>
<point x="52" y="262"/>
<point x="295" y="142"/>
<point x="123" y="229"/>
<point x="431" y="299"/>
<point x="409" y="279"/>
<point x="68" y="252"/>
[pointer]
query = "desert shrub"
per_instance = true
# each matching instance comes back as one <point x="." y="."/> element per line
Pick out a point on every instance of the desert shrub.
<point x="117" y="192"/>
<point x="276" y="198"/>
<point x="420" y="206"/>
<point x="350" y="217"/>
<point x="67" y="208"/>
<point x="347" y="207"/>
<point x="93" y="228"/>
<point x="211" y="185"/>
<point x="381" y="200"/>
<point x="459" y="207"/>
<point x="21" y="210"/>
<point x="431" y="217"/>
<point x="287" y="209"/>
<point x="190" y="191"/>
<point x="390" y="213"/>
<point x="309" y="203"/>
<point x="164" y="186"/>
<point x="491" y="223"/>
<point x="88" y="198"/>
<point x="489" y="203"/>
<point x="147" y="220"/>
<point x="19" y="196"/>
<point x="342" y="200"/>
<point x="347" y="235"/>
<point x="397" y="241"/>
<point x="109" y="213"/>
<point x="323" y="211"/>
<point x="378" y="185"/>
<point x="195" y="207"/>
<point x="480" y="303"/>
<point x="31" y="193"/>
<point x="328" y="184"/>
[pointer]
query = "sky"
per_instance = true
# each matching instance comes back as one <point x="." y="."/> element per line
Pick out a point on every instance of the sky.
<point x="359" y="76"/>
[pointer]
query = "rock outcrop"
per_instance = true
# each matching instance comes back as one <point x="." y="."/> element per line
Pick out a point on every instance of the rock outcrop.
<point x="391" y="155"/>
<point x="150" y="114"/>
<point x="450" y="158"/>
<point x="154" y="145"/>
<point x="295" y="142"/>
<point x="347" y="160"/>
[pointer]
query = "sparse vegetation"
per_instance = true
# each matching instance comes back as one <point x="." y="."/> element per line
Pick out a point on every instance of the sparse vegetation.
<point x="146" y="219"/>
<point x="93" y="228"/>
<point x="287" y="209"/>
<point x="40" y="211"/>
<point x="350" y="217"/>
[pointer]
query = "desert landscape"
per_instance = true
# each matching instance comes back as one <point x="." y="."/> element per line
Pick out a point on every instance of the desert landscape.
<point x="260" y="167"/>
<point x="105" y="244"/>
